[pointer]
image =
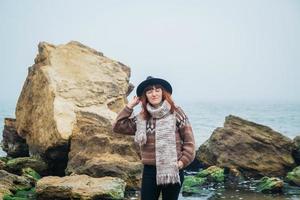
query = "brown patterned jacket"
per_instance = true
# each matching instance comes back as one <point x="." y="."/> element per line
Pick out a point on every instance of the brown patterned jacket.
<point x="125" y="123"/>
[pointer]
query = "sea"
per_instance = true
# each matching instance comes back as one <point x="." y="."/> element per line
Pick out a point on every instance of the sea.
<point x="205" y="117"/>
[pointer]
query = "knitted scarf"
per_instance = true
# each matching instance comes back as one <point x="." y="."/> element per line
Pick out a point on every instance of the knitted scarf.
<point x="165" y="142"/>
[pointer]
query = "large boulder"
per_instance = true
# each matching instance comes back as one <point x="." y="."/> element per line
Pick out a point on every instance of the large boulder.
<point x="12" y="143"/>
<point x="80" y="187"/>
<point x="254" y="149"/>
<point x="68" y="102"/>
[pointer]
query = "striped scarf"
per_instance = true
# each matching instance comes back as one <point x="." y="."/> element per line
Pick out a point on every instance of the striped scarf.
<point x="165" y="142"/>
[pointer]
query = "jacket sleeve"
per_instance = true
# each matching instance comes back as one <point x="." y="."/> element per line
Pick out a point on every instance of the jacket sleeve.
<point x="187" y="136"/>
<point x="125" y="123"/>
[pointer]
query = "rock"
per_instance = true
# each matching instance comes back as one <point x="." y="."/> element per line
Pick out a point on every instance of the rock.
<point x="191" y="185"/>
<point x="296" y="152"/>
<point x="31" y="174"/>
<point x="233" y="177"/>
<point x="71" y="95"/>
<point x="97" y="153"/>
<point x="294" y="176"/>
<point x="22" y="195"/>
<point x="4" y="191"/>
<point x="254" y="149"/>
<point x="212" y="174"/>
<point x="272" y="185"/>
<point x="5" y="159"/>
<point x="80" y="187"/>
<point x="207" y="177"/>
<point x="2" y="164"/>
<point x="10" y="183"/>
<point x="12" y="143"/>
<point x="17" y="164"/>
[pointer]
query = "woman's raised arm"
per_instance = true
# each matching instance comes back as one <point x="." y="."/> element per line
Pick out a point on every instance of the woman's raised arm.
<point x="125" y="123"/>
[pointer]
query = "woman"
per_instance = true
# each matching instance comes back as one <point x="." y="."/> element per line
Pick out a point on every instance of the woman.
<point x="164" y="135"/>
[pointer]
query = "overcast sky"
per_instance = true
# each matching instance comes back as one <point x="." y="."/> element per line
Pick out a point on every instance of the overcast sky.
<point x="244" y="50"/>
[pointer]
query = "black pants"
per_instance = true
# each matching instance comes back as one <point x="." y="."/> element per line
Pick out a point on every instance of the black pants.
<point x="151" y="191"/>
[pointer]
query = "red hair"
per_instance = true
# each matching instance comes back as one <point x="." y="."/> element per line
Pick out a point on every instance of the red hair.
<point x="165" y="96"/>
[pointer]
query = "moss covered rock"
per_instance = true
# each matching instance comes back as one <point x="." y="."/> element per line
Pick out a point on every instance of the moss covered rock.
<point x="17" y="164"/>
<point x="4" y="159"/>
<point x="194" y="184"/>
<point x="22" y="195"/>
<point x="31" y="174"/>
<point x="4" y="191"/>
<point x="213" y="174"/>
<point x="272" y="184"/>
<point x="191" y="184"/>
<point x="11" y="183"/>
<point x="294" y="176"/>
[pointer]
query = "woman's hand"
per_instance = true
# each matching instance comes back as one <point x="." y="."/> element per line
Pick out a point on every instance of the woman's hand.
<point x="135" y="101"/>
<point x="180" y="164"/>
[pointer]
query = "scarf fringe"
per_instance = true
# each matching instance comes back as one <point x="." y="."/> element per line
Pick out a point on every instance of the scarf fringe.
<point x="165" y="179"/>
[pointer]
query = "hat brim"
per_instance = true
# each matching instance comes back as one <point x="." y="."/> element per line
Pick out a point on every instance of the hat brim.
<point x="153" y="81"/>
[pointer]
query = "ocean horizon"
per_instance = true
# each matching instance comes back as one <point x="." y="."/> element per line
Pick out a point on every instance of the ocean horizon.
<point x="207" y="116"/>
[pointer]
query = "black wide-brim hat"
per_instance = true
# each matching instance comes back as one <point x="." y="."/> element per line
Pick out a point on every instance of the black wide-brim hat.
<point x="153" y="81"/>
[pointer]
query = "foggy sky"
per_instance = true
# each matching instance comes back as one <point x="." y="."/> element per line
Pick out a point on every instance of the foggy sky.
<point x="210" y="50"/>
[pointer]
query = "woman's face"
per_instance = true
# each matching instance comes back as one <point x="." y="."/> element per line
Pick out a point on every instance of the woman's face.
<point x="154" y="96"/>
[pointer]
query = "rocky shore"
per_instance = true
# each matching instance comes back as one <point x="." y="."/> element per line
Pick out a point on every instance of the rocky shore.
<point x="244" y="155"/>
<point x="61" y="144"/>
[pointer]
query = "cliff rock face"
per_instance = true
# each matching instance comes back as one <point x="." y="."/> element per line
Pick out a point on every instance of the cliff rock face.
<point x="70" y="98"/>
<point x="252" y="148"/>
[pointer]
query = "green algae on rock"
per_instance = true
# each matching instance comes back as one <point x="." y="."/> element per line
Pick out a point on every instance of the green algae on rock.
<point x="22" y="195"/>
<point x="17" y="164"/>
<point x="191" y="184"/>
<point x="4" y="159"/>
<point x="294" y="176"/>
<point x="31" y="174"/>
<point x="270" y="184"/>
<point x="11" y="183"/>
<point x="213" y="174"/>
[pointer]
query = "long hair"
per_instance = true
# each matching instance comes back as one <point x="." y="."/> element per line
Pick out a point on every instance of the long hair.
<point x="165" y="96"/>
